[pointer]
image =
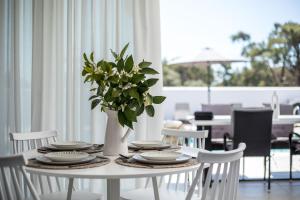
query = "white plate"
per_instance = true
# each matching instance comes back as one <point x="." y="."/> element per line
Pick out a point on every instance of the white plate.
<point x="45" y="160"/>
<point x="161" y="155"/>
<point x="78" y="147"/>
<point x="70" y="144"/>
<point x="66" y="156"/>
<point x="148" y="143"/>
<point x="181" y="159"/>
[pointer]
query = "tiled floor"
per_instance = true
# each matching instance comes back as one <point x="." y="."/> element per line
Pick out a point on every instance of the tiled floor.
<point x="280" y="190"/>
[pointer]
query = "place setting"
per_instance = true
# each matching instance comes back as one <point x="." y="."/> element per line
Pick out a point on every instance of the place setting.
<point x="71" y="154"/>
<point x="154" y="154"/>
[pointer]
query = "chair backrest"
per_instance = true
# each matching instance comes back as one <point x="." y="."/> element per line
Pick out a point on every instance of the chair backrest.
<point x="200" y="115"/>
<point x="253" y="126"/>
<point x="197" y="138"/>
<point x="32" y="140"/>
<point x="285" y="109"/>
<point x="13" y="179"/>
<point x="27" y="141"/>
<point x="224" y="184"/>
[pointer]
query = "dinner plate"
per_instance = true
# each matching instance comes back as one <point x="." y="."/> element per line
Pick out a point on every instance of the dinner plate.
<point x="45" y="160"/>
<point x="164" y="146"/>
<point x="66" y="156"/>
<point x="148" y="143"/>
<point x="161" y="155"/>
<point x="181" y="159"/>
<point x="70" y="144"/>
<point x="83" y="146"/>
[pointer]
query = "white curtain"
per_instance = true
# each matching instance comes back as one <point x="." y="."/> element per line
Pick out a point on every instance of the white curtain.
<point x="15" y="68"/>
<point x="62" y="32"/>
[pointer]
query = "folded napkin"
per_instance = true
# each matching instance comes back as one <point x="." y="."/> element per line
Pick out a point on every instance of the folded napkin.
<point x="172" y="124"/>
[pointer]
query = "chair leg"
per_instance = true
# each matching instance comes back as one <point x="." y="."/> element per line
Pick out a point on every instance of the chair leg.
<point x="291" y="166"/>
<point x="269" y="179"/>
<point x="265" y="166"/>
<point x="243" y="168"/>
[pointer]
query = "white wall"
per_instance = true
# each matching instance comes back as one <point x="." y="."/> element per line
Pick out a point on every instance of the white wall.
<point x="248" y="96"/>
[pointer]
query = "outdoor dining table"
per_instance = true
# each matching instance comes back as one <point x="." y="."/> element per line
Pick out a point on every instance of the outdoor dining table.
<point x="112" y="172"/>
<point x="220" y="120"/>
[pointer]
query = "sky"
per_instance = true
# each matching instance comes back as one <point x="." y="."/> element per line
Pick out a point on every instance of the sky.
<point x="187" y="26"/>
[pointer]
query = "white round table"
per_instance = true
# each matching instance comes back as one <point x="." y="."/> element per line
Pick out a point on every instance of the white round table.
<point x="112" y="172"/>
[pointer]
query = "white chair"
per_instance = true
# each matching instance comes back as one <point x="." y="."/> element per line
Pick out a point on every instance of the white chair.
<point x="14" y="182"/>
<point x="223" y="185"/>
<point x="196" y="138"/>
<point x="49" y="187"/>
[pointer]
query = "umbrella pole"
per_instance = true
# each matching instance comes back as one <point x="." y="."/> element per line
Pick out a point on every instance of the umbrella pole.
<point x="208" y="84"/>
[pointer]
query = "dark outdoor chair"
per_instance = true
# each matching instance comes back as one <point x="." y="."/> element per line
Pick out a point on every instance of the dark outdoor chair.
<point x="252" y="126"/>
<point x="294" y="143"/>
<point x="217" y="132"/>
<point x="280" y="133"/>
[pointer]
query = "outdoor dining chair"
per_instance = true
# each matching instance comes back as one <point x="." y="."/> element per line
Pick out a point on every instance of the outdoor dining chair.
<point x="252" y="126"/>
<point x="192" y="149"/>
<point x="223" y="185"/>
<point x="14" y="182"/>
<point x="48" y="186"/>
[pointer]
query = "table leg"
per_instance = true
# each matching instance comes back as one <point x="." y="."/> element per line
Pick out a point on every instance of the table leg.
<point x="70" y="188"/>
<point x="113" y="189"/>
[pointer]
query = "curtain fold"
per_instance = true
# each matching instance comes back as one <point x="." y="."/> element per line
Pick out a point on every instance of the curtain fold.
<point x="15" y="67"/>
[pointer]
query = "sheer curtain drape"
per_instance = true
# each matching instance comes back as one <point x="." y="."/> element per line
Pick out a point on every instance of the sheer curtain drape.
<point x="15" y="68"/>
<point x="42" y="42"/>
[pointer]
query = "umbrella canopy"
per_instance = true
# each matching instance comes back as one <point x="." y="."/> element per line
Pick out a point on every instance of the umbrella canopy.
<point x="206" y="57"/>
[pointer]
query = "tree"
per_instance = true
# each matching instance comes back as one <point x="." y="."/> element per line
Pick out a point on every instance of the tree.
<point x="280" y="52"/>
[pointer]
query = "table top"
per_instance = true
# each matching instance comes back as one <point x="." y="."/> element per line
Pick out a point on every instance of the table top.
<point x="220" y="120"/>
<point x="109" y="171"/>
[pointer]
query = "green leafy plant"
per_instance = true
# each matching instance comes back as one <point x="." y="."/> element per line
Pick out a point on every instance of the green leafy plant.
<point x="121" y="85"/>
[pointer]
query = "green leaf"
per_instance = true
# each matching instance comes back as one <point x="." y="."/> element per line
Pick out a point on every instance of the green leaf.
<point x="129" y="64"/>
<point x="120" y="65"/>
<point x="148" y="99"/>
<point x="121" y="118"/>
<point x="144" y="64"/>
<point x="85" y="57"/>
<point x="148" y="70"/>
<point x="158" y="99"/>
<point x="95" y="102"/>
<point x="152" y="81"/>
<point x="140" y="110"/>
<point x="124" y="50"/>
<point x="83" y="73"/>
<point x="150" y="110"/>
<point x="114" y="54"/>
<point x="136" y="78"/>
<point x="130" y="114"/>
<point x="92" y="57"/>
<point x="87" y="78"/>
<point x="93" y="97"/>
<point x="133" y="93"/>
<point x="115" y="93"/>
<point x="129" y="124"/>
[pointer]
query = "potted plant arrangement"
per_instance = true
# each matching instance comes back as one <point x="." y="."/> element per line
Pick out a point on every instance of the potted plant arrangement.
<point x="122" y="89"/>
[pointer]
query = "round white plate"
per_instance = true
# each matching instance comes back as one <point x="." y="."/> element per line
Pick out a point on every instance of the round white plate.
<point x="161" y="155"/>
<point x="70" y="144"/>
<point x="78" y="147"/>
<point x="148" y="143"/>
<point x="66" y="156"/>
<point x="45" y="160"/>
<point x="181" y="159"/>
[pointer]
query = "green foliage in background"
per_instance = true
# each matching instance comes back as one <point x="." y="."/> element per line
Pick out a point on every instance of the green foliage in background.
<point x="121" y="85"/>
<point x="273" y="62"/>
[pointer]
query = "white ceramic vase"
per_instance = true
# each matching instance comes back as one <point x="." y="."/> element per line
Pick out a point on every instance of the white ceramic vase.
<point x="114" y="142"/>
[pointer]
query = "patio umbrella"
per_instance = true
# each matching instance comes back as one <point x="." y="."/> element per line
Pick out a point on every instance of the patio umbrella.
<point x="206" y="57"/>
